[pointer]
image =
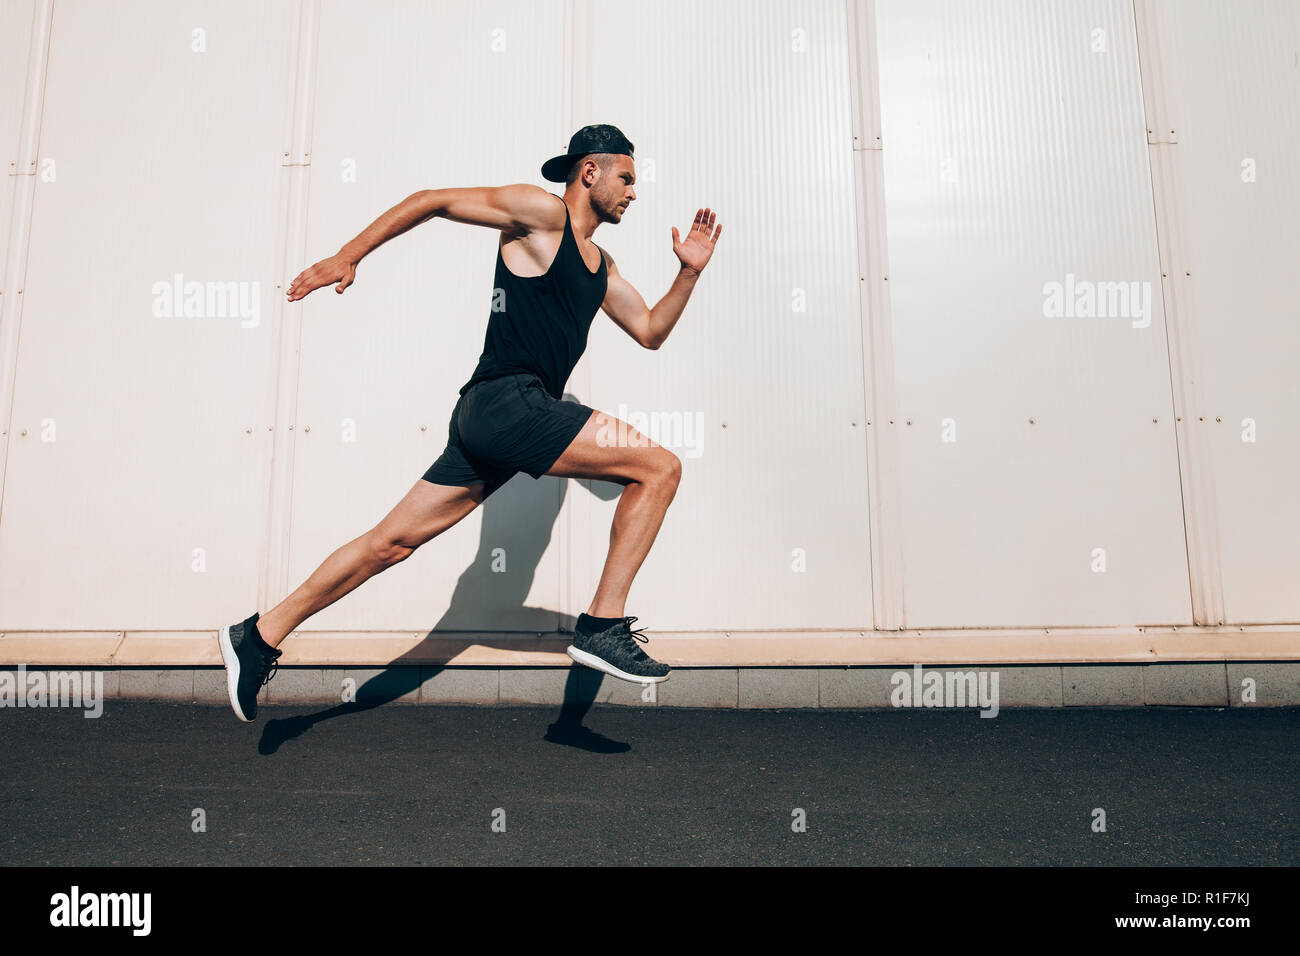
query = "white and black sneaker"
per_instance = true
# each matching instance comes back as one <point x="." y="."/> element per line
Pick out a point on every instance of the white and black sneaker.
<point x="614" y="651"/>
<point x="250" y="663"/>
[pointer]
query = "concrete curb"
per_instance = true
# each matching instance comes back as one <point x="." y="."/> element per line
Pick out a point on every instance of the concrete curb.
<point x="1223" y="684"/>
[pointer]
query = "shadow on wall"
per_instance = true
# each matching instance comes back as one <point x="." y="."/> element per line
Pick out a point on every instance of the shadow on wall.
<point x="519" y="517"/>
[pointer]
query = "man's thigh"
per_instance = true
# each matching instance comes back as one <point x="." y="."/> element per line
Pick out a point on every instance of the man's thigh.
<point x="427" y="510"/>
<point x="610" y="449"/>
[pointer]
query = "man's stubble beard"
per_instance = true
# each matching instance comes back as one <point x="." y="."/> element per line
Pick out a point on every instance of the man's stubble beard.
<point x="599" y="209"/>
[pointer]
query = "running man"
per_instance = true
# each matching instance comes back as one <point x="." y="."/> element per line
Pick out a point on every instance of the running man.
<point x="550" y="280"/>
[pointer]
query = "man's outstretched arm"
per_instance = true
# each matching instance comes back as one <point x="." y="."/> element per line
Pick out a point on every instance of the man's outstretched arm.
<point x="649" y="327"/>
<point x="515" y="209"/>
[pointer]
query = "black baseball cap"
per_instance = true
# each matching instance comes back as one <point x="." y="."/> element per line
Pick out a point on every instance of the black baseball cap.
<point x="601" y="138"/>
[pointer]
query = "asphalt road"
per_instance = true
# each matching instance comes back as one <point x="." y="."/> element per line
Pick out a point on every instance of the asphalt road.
<point x="401" y="784"/>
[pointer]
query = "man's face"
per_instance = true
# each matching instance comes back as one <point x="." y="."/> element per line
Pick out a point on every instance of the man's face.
<point x="614" y="189"/>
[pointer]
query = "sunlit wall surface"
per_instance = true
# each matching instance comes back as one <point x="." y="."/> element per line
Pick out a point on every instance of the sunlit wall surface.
<point x="169" y="461"/>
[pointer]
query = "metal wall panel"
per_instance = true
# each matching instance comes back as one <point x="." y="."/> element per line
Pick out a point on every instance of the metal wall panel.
<point x="1015" y="157"/>
<point x="744" y="108"/>
<point x="15" y="37"/>
<point x="145" y="435"/>
<point x="1235" y="89"/>
<point x="416" y="96"/>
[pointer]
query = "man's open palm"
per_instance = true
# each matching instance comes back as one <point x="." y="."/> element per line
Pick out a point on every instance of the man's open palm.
<point x="694" y="251"/>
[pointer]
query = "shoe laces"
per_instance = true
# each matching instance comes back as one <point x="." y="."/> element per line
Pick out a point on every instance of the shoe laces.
<point x="270" y="665"/>
<point x="638" y="634"/>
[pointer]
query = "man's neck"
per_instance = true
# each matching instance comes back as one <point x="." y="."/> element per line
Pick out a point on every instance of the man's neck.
<point x="580" y="214"/>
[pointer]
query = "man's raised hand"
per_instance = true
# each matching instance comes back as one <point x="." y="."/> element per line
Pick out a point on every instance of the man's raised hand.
<point x="336" y="268"/>
<point x="694" y="251"/>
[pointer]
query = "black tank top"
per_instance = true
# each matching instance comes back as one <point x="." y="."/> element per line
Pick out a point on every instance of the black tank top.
<point x="539" y="324"/>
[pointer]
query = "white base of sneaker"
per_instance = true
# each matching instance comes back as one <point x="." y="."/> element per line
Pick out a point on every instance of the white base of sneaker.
<point x="232" y="672"/>
<point x="594" y="662"/>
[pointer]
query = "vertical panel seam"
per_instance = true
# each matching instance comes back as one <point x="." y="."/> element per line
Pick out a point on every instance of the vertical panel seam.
<point x="876" y="336"/>
<point x="288" y="341"/>
<point x="13" y="278"/>
<point x="1195" y="468"/>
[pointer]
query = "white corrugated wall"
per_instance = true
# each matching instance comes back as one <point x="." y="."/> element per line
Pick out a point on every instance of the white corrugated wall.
<point x="165" y="473"/>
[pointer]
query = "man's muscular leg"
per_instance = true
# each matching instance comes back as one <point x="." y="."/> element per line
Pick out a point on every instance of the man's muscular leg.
<point x="650" y="474"/>
<point x="425" y="512"/>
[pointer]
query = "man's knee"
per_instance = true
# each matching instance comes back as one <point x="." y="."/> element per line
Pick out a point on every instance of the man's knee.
<point x="667" y="468"/>
<point x="386" y="551"/>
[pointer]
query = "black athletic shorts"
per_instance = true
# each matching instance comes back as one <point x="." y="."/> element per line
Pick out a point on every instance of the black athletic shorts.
<point x="503" y="426"/>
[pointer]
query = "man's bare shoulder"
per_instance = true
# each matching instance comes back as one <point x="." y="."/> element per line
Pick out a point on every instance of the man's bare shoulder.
<point x="533" y="209"/>
<point x="517" y="210"/>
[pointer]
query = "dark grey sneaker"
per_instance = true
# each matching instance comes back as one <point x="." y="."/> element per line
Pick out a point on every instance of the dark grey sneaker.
<point x="250" y="663"/>
<point x="614" y="651"/>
